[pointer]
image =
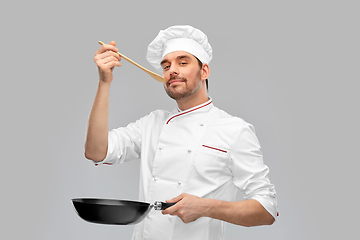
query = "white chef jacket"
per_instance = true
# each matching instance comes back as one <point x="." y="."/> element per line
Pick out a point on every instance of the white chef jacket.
<point x="201" y="151"/>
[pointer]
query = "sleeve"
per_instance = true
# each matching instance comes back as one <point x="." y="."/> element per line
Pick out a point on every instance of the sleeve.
<point x="124" y="144"/>
<point x="250" y="172"/>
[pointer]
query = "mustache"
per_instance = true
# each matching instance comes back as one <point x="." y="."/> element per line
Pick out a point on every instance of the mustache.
<point x="177" y="78"/>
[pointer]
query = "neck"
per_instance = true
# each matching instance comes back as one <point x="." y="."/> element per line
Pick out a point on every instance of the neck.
<point x="191" y="101"/>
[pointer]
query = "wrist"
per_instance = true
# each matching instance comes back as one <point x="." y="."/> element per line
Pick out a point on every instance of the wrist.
<point x="210" y="207"/>
<point x="104" y="84"/>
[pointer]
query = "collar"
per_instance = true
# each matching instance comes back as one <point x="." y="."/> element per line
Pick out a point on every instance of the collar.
<point x="202" y="108"/>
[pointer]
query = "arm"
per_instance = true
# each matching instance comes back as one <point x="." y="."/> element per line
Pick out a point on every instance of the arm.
<point x="250" y="176"/>
<point x="96" y="143"/>
<point x="246" y="213"/>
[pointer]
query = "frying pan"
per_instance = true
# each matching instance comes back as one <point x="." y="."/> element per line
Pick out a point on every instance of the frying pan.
<point x="112" y="211"/>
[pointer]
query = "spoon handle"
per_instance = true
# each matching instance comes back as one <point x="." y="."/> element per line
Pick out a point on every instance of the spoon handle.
<point x="138" y="65"/>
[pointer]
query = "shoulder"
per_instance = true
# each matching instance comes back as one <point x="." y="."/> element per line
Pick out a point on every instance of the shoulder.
<point x="156" y="116"/>
<point x="220" y="117"/>
<point x="159" y="114"/>
<point x="225" y="126"/>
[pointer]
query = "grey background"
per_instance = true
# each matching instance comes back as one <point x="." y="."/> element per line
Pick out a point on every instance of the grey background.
<point x="291" y="68"/>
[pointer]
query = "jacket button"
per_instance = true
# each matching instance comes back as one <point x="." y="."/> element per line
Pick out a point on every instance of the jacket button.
<point x="201" y="124"/>
<point x="155" y="179"/>
<point x="189" y="151"/>
<point x="179" y="183"/>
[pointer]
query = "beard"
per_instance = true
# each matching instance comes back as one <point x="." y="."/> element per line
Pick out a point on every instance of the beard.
<point x="180" y="92"/>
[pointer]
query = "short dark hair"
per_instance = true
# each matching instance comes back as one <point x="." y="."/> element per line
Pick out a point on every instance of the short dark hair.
<point x="207" y="81"/>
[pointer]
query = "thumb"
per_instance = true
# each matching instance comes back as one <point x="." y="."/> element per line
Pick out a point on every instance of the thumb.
<point x="175" y="199"/>
<point x="113" y="43"/>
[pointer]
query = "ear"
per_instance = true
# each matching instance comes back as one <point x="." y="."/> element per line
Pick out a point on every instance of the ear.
<point x="205" y="71"/>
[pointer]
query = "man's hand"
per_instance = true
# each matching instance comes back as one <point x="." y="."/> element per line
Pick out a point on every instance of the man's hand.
<point x="106" y="58"/>
<point x="188" y="207"/>
<point x="245" y="213"/>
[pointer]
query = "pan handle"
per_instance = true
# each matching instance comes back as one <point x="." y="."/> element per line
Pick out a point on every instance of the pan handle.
<point x="162" y="205"/>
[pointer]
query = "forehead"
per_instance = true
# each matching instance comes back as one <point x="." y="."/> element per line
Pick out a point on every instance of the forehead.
<point x="177" y="55"/>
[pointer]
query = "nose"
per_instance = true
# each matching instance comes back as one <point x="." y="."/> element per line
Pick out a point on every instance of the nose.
<point x="173" y="70"/>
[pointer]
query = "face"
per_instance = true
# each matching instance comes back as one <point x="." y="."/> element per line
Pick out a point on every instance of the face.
<point x="182" y="73"/>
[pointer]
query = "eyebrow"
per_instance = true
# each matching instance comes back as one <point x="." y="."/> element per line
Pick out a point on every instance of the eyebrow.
<point x="178" y="57"/>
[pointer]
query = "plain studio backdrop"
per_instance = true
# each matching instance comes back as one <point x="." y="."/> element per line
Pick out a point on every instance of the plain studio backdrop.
<point x="291" y="68"/>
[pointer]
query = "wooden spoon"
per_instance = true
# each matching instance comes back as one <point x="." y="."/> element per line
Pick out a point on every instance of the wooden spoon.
<point x="155" y="76"/>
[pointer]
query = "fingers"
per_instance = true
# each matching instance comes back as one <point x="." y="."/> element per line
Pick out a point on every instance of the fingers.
<point x="106" y="58"/>
<point x="107" y="61"/>
<point x="173" y="209"/>
<point x="107" y="47"/>
<point x="176" y="199"/>
<point x="170" y="210"/>
<point x="107" y="50"/>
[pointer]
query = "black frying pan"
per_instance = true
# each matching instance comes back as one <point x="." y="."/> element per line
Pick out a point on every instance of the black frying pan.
<point x="111" y="211"/>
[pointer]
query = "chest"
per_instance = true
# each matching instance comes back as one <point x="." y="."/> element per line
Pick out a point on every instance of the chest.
<point x="195" y="150"/>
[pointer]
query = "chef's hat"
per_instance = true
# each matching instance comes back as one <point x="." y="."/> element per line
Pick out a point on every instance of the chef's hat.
<point x="179" y="38"/>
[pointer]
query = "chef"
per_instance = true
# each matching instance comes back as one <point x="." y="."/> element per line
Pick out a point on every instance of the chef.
<point x="195" y="155"/>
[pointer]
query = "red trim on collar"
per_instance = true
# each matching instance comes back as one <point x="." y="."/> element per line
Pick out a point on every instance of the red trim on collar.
<point x="188" y="112"/>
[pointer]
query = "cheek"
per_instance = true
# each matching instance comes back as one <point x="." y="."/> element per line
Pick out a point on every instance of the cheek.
<point x="166" y="75"/>
<point x="194" y="75"/>
<point x="195" y="72"/>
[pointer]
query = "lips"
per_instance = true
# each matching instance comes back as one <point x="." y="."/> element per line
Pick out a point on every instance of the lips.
<point x="175" y="81"/>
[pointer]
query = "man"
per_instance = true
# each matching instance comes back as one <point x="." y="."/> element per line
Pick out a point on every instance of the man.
<point x="196" y="155"/>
